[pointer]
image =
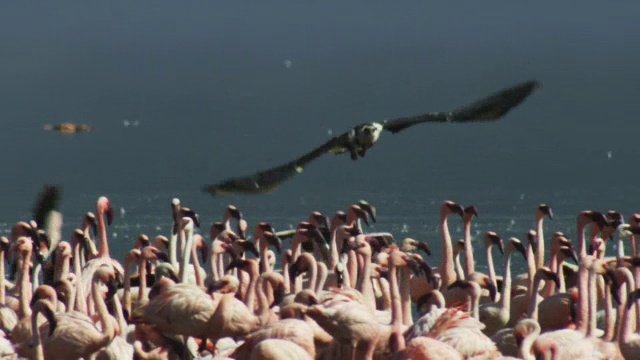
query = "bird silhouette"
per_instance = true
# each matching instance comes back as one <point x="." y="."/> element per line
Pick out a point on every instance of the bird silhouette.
<point x="362" y="137"/>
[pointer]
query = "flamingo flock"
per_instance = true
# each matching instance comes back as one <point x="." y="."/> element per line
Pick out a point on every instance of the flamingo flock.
<point x="336" y="292"/>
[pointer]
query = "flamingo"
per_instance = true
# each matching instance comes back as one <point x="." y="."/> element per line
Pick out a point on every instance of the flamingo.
<point x="103" y="207"/>
<point x="542" y="211"/>
<point x="496" y="316"/>
<point x="68" y="336"/>
<point x="8" y="317"/>
<point x="468" y="214"/>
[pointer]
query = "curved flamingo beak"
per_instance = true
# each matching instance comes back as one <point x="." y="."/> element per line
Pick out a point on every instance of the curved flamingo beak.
<point x="521" y="249"/>
<point x="370" y="209"/>
<point x="570" y="253"/>
<point x="109" y="214"/>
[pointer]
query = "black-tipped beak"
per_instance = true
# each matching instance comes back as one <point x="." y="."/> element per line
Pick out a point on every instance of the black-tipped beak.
<point x="521" y="249"/>
<point x="635" y="229"/>
<point x="371" y="210"/>
<point x="500" y="244"/>
<point x="109" y="214"/>
<point x="471" y="210"/>
<point x="362" y="215"/>
<point x="569" y="253"/>
<point x="424" y="247"/>
<point x="593" y="247"/>
<point x="294" y="271"/>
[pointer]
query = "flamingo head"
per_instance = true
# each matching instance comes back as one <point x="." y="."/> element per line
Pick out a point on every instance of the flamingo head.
<point x="319" y="219"/>
<point x="300" y="266"/>
<point x="517" y="246"/>
<point x="104" y="207"/>
<point x="544" y="210"/>
<point x="491" y="238"/>
<point x="152" y="253"/>
<point x="90" y="220"/>
<point x="359" y="213"/>
<point x="232" y="212"/>
<point x="449" y="207"/>
<point x="469" y="213"/>
<point x="64" y="249"/>
<point x="409" y="244"/>
<point x="186" y="212"/>
<point x="274" y="240"/>
<point x="569" y="253"/>
<point x="370" y="209"/>
<point x="548" y="275"/>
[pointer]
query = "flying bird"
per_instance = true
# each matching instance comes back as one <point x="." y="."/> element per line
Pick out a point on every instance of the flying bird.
<point x="68" y="128"/>
<point x="362" y="137"/>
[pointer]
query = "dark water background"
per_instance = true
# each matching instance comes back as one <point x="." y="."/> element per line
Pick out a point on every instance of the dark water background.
<point x="208" y="83"/>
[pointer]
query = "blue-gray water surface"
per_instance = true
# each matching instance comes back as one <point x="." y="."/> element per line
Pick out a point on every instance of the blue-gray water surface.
<point x="221" y="89"/>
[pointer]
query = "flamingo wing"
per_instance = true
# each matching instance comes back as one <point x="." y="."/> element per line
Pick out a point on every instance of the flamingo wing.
<point x="489" y="108"/>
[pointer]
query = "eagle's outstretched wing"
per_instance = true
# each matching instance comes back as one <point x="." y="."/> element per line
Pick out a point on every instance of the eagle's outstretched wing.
<point x="268" y="180"/>
<point x="490" y="108"/>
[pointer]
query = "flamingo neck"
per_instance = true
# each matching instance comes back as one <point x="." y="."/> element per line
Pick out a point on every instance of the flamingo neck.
<point x="352" y="268"/>
<point x="525" y="348"/>
<point x="62" y="268"/>
<point x="531" y="268"/>
<point x="263" y="302"/>
<point x="126" y="292"/>
<point x="364" y="283"/>
<point x="459" y="271"/>
<point x="625" y="327"/>
<point x="196" y="267"/>
<point x="405" y="296"/>
<point x="142" y="270"/>
<point x="103" y="250"/>
<point x="490" y="266"/>
<point x="582" y="246"/>
<point x="505" y="297"/>
<point x="213" y="258"/>
<point x="447" y="274"/>
<point x="620" y="251"/>
<point x="396" y="308"/>
<point x="117" y="311"/>
<point x="185" y="255"/>
<point x="583" y="299"/>
<point x="560" y="272"/>
<point x="35" y="331"/>
<point x="333" y="248"/>
<point x="323" y="273"/>
<point x="549" y="287"/>
<point x="81" y="300"/>
<point x="313" y="274"/>
<point x="533" y="304"/>
<point x="285" y="275"/>
<point x="468" y="250"/>
<point x="592" y="296"/>
<point x="25" y="293"/>
<point x="251" y="290"/>
<point x="609" y="324"/>
<point x="173" y="253"/>
<point x="540" y="245"/>
<point x="108" y="330"/>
